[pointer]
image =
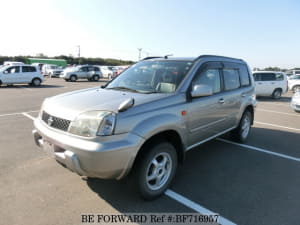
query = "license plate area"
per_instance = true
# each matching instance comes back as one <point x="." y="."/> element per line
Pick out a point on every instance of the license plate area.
<point x="48" y="147"/>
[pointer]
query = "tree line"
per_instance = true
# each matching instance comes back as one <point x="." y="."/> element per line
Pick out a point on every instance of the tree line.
<point x="70" y="60"/>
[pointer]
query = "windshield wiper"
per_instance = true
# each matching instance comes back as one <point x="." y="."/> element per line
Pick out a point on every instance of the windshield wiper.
<point x="123" y="88"/>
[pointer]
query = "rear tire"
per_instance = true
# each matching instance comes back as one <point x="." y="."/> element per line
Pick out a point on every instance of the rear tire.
<point x="155" y="170"/>
<point x="241" y="133"/>
<point x="36" y="82"/>
<point x="277" y="94"/>
<point x="73" y="78"/>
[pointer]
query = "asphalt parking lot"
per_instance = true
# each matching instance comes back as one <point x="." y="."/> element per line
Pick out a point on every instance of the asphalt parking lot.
<point x="255" y="183"/>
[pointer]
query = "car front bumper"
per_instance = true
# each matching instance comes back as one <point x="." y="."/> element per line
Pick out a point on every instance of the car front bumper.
<point x="295" y="105"/>
<point x="109" y="157"/>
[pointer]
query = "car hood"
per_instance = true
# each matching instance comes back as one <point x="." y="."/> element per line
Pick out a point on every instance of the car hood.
<point x="71" y="104"/>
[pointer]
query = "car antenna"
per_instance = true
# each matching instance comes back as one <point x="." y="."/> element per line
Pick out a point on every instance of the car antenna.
<point x="166" y="56"/>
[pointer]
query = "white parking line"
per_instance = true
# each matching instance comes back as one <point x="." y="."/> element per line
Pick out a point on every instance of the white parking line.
<point x="198" y="208"/>
<point x="261" y="150"/>
<point x="29" y="116"/>
<point x="275" y="125"/>
<point x="265" y="110"/>
<point x="275" y="103"/>
<point x="18" y="113"/>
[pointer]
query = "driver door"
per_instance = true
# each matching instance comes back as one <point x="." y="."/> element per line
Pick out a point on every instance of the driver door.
<point x="206" y="116"/>
<point x="11" y="75"/>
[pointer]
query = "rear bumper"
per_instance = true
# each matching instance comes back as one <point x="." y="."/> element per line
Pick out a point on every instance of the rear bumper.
<point x="109" y="157"/>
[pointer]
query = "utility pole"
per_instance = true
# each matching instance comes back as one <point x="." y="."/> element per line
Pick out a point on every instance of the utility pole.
<point x="140" y="50"/>
<point x="78" y="46"/>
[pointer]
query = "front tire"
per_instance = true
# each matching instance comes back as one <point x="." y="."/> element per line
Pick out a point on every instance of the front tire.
<point x="73" y="78"/>
<point x="241" y="133"/>
<point x="156" y="170"/>
<point x="296" y="88"/>
<point x="277" y="94"/>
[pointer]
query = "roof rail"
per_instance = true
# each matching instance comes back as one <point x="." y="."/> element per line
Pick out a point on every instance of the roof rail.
<point x="151" y="57"/>
<point x="224" y="57"/>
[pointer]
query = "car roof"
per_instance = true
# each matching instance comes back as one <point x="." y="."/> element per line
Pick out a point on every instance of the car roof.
<point x="213" y="57"/>
<point x="266" y="71"/>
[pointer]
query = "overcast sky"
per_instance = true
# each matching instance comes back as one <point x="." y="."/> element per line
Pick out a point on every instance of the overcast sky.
<point x="264" y="33"/>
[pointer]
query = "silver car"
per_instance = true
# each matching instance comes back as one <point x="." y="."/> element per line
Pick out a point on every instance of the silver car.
<point x="144" y="121"/>
<point x="92" y="73"/>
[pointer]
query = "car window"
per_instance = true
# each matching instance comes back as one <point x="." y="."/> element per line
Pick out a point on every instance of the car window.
<point x="231" y="79"/>
<point x="244" y="76"/>
<point x="268" y="77"/>
<point x="26" y="69"/>
<point x="13" y="69"/>
<point x="96" y="69"/>
<point x="210" y="77"/>
<point x="256" y="77"/>
<point x="161" y="76"/>
<point x="279" y="76"/>
<point x="83" y="69"/>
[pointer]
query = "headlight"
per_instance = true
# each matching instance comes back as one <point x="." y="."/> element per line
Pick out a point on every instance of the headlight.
<point x="42" y="108"/>
<point x="92" y="123"/>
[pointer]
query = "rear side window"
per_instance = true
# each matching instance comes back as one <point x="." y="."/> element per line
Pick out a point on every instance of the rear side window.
<point x="267" y="76"/>
<point x="231" y="79"/>
<point x="26" y="69"/>
<point x="279" y="76"/>
<point x="244" y="76"/>
<point x="96" y="69"/>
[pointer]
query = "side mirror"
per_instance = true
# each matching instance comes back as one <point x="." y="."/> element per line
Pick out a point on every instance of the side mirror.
<point x="5" y="71"/>
<point x="201" y="90"/>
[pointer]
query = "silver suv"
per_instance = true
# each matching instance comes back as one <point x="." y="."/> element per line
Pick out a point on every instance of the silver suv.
<point x="92" y="73"/>
<point x="146" y="119"/>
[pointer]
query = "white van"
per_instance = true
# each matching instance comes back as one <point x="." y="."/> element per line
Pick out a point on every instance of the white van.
<point x="21" y="74"/>
<point x="270" y="83"/>
<point x="12" y="63"/>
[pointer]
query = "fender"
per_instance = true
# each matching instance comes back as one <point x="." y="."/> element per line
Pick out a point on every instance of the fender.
<point x="159" y="123"/>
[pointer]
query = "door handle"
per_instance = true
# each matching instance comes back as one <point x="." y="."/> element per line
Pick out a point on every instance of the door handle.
<point x="243" y="95"/>
<point x="259" y="82"/>
<point x="221" y="101"/>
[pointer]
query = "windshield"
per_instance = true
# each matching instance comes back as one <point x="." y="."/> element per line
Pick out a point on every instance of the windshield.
<point x="3" y="67"/>
<point x="152" y="76"/>
<point x="53" y="67"/>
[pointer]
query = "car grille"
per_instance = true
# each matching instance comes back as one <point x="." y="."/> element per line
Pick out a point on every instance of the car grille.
<point x="55" y="122"/>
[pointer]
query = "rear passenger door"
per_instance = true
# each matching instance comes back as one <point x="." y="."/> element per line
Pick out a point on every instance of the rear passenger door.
<point x="28" y="73"/>
<point x="266" y="84"/>
<point x="236" y="90"/>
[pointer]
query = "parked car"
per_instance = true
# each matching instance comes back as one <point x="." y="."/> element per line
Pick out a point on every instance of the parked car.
<point x="92" y="73"/>
<point x="119" y="70"/>
<point x="21" y="74"/>
<point x="270" y="83"/>
<point x="295" y="103"/>
<point x="294" y="83"/>
<point x="52" y="70"/>
<point x="12" y="63"/>
<point x="145" y="120"/>
<point x="106" y="72"/>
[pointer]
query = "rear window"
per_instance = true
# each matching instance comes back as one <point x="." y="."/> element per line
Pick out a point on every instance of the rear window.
<point x="231" y="79"/>
<point x="28" y="69"/>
